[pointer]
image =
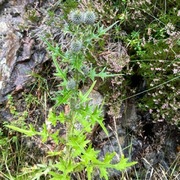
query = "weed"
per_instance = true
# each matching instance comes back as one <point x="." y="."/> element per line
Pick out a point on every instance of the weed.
<point x="149" y="30"/>
<point x="80" y="116"/>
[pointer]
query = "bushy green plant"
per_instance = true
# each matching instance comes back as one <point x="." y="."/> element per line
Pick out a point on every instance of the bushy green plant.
<point x="80" y="116"/>
<point x="152" y="39"/>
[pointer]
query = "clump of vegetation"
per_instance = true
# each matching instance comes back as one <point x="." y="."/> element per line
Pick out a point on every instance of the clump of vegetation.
<point x="80" y="116"/>
<point x="83" y="53"/>
<point x="150" y="32"/>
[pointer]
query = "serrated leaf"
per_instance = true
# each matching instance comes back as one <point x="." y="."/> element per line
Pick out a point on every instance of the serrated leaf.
<point x="62" y="99"/>
<point x="102" y="126"/>
<point x="84" y="97"/>
<point x="60" y="73"/>
<point x="57" y="176"/>
<point x="102" y="30"/>
<point x="103" y="173"/>
<point x="66" y="167"/>
<point x="104" y="74"/>
<point x="108" y="157"/>
<point x="90" y="155"/>
<point x="44" y="133"/>
<point x="99" y="119"/>
<point x="92" y="74"/>
<point x="29" y="133"/>
<point x="89" y="172"/>
<point x="123" y="164"/>
<point x="52" y="117"/>
<point x="78" y="143"/>
<point x="61" y="117"/>
<point x="77" y="62"/>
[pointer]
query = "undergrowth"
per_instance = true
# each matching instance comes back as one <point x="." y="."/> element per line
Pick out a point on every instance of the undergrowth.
<point x="82" y="38"/>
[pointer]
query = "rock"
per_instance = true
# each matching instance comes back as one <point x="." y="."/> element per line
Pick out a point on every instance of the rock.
<point x="118" y="140"/>
<point x="129" y="117"/>
<point x="96" y="98"/>
<point x="17" y="56"/>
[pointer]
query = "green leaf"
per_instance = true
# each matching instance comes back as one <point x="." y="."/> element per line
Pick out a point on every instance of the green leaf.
<point x="102" y="31"/>
<point x="123" y="164"/>
<point x="104" y="74"/>
<point x="84" y="97"/>
<point x="61" y="117"/>
<point x="61" y="165"/>
<point x="103" y="173"/>
<point x="103" y="127"/>
<point x="30" y="132"/>
<point x="63" y="98"/>
<point x="77" y="62"/>
<point x="66" y="167"/>
<point x="89" y="156"/>
<point x="50" y="46"/>
<point x="78" y="144"/>
<point x="44" y="133"/>
<point x="57" y="176"/>
<point x="52" y="117"/>
<point x="92" y="74"/>
<point x="60" y="73"/>
<point x="55" y="137"/>
<point x="89" y="170"/>
<point x="99" y="119"/>
<point x="108" y="158"/>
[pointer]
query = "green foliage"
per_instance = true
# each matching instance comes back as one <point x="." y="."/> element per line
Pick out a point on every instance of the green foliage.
<point x="80" y="116"/>
<point x="152" y="40"/>
<point x="12" y="153"/>
<point x="149" y="29"/>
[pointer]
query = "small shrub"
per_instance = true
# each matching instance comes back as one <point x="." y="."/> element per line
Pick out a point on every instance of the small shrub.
<point x="79" y="116"/>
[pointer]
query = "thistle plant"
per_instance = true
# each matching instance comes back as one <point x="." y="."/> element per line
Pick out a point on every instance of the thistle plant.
<point x="77" y="153"/>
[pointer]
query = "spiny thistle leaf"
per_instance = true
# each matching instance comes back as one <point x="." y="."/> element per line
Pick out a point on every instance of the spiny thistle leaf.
<point x="30" y="132"/>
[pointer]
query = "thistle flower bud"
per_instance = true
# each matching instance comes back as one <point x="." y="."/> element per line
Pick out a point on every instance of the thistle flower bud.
<point x="76" y="46"/>
<point x="89" y="17"/>
<point x="85" y="69"/>
<point x="76" y="17"/>
<point x="71" y="84"/>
